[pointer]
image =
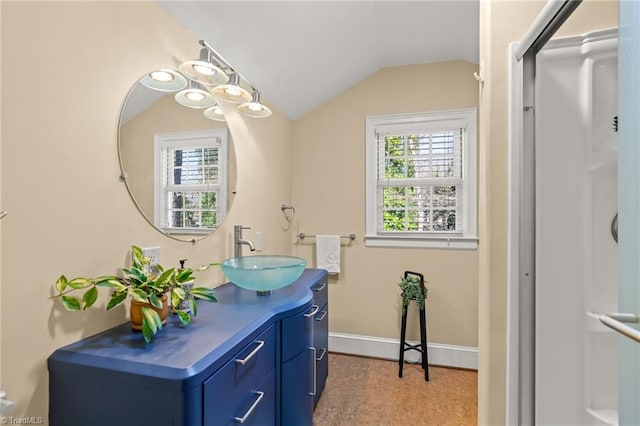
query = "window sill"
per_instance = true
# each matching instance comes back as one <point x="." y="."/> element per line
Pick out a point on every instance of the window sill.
<point x="188" y="231"/>
<point x="452" y="243"/>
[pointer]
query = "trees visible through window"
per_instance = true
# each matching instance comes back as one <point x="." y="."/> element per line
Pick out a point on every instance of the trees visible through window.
<point x="432" y="161"/>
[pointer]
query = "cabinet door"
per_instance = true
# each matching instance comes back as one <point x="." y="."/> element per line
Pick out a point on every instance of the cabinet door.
<point x="321" y="343"/>
<point x="297" y="332"/>
<point x="298" y="390"/>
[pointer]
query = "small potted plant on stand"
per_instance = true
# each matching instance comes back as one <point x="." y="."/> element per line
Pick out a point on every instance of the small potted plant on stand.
<point x="412" y="289"/>
<point x="153" y="293"/>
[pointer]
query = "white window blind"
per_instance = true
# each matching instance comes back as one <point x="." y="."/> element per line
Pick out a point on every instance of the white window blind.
<point x="191" y="180"/>
<point x="419" y="182"/>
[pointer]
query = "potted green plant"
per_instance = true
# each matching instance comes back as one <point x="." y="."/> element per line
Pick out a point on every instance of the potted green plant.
<point x="412" y="290"/>
<point x="153" y="292"/>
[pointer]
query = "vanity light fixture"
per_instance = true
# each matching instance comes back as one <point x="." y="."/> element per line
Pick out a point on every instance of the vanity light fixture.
<point x="195" y="78"/>
<point x="203" y="69"/>
<point x="232" y="92"/>
<point x="215" y="113"/>
<point x="254" y="108"/>
<point x="164" y="80"/>
<point x="195" y="96"/>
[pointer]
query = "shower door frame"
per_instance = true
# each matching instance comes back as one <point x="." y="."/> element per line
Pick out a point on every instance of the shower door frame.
<point x="521" y="294"/>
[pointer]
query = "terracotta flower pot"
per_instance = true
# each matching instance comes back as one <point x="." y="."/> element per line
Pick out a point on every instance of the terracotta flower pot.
<point x="136" y="312"/>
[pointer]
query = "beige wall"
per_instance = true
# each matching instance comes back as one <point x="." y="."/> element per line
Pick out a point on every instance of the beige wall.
<point x="501" y="23"/>
<point x="329" y="197"/>
<point x="60" y="174"/>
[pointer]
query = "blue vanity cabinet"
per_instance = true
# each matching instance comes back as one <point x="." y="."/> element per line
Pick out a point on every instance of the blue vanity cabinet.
<point x="321" y="336"/>
<point x="298" y="357"/>
<point x="305" y="361"/>
<point x="243" y="358"/>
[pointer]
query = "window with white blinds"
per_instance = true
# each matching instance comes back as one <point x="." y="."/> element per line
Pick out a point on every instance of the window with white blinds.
<point x="421" y="185"/>
<point x="191" y="180"/>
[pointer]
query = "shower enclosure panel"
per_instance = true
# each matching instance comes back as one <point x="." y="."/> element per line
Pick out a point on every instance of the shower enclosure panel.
<point x="576" y="255"/>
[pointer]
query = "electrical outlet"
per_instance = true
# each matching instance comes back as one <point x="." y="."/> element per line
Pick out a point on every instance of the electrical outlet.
<point x="153" y="253"/>
<point x="257" y="241"/>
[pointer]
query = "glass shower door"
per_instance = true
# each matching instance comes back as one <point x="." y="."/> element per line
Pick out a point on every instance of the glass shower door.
<point x="629" y="213"/>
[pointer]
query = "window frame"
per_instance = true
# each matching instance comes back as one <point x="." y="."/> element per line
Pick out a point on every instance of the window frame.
<point x="191" y="139"/>
<point x="467" y="239"/>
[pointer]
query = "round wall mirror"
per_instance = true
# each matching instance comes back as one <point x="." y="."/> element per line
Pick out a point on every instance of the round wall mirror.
<point x="177" y="162"/>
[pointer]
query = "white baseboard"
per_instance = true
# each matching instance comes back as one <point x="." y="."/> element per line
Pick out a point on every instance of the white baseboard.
<point x="379" y="347"/>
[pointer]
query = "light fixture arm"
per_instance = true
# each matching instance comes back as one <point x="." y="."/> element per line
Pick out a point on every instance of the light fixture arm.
<point x="220" y="59"/>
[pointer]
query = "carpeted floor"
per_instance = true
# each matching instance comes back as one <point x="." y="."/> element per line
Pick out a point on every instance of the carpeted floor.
<point x="363" y="391"/>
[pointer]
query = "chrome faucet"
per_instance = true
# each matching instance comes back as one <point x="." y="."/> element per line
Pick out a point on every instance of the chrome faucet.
<point x="238" y="241"/>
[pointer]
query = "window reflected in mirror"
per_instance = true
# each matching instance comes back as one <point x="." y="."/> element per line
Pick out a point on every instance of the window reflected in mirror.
<point x="177" y="164"/>
<point x="190" y="180"/>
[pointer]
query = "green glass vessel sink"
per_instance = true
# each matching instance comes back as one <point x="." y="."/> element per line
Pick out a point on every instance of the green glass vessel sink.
<point x="263" y="273"/>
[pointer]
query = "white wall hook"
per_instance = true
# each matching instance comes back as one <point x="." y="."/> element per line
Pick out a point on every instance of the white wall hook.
<point x="479" y="75"/>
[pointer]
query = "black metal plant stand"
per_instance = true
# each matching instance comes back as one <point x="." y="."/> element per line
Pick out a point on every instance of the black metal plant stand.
<point x="422" y="347"/>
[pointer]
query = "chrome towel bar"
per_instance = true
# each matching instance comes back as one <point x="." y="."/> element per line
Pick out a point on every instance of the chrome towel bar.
<point x="615" y="322"/>
<point x="302" y="236"/>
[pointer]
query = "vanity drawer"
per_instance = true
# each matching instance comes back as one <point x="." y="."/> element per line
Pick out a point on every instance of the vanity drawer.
<point x="228" y="390"/>
<point x="321" y="331"/>
<point x="320" y="292"/>
<point x="256" y="407"/>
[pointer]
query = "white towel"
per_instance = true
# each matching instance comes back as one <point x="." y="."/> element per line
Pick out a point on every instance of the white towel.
<point x="328" y="253"/>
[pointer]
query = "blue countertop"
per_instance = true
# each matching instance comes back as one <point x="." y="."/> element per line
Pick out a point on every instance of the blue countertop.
<point x="178" y="355"/>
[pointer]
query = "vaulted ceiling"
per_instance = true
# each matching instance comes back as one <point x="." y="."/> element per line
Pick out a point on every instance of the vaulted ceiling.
<point x="300" y="54"/>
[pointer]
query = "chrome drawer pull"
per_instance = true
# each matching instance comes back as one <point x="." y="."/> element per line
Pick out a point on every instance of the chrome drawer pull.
<point x="322" y="286"/>
<point x="321" y="317"/>
<point x="253" y="407"/>
<point x="315" y="372"/>
<point x="253" y="352"/>
<point x="314" y="311"/>
<point x="324" y="352"/>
